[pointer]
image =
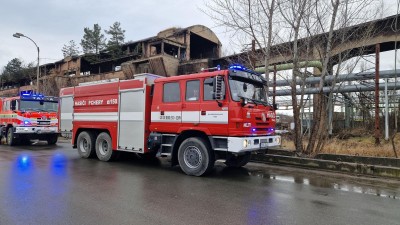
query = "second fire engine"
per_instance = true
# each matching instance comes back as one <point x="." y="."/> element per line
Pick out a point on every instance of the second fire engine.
<point x="193" y="119"/>
<point x="28" y="116"/>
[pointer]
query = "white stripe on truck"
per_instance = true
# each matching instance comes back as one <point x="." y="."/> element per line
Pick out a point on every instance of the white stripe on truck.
<point x="106" y="116"/>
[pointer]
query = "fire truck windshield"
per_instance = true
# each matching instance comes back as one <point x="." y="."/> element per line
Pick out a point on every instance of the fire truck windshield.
<point x="41" y="106"/>
<point x="241" y="89"/>
<point x="247" y="85"/>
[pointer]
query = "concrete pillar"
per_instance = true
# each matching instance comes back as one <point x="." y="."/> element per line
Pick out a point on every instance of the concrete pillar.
<point x="377" y="129"/>
<point x="317" y="73"/>
<point x="187" y="42"/>
<point x="347" y="113"/>
<point x="144" y="51"/>
<point x="330" y="113"/>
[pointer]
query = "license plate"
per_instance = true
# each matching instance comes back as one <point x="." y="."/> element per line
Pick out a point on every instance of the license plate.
<point x="263" y="145"/>
<point x="46" y="130"/>
<point x="44" y="123"/>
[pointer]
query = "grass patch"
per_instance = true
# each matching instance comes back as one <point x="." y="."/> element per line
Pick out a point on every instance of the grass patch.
<point x="358" y="146"/>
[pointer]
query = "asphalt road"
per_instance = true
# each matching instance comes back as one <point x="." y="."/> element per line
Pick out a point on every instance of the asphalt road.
<point x="42" y="184"/>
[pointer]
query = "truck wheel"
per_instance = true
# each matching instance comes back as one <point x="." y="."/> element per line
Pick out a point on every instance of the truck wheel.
<point x="52" y="139"/>
<point x="195" y="157"/>
<point x="86" y="144"/>
<point x="10" y="137"/>
<point x="104" y="147"/>
<point x="238" y="161"/>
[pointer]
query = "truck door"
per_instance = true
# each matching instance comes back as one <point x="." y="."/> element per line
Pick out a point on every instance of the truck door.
<point x="213" y="113"/>
<point x="66" y="114"/>
<point x="167" y="112"/>
<point x="191" y="103"/>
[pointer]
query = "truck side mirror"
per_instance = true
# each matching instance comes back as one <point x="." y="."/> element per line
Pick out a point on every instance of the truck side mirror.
<point x="13" y="104"/>
<point x="218" y="88"/>
<point x="276" y="106"/>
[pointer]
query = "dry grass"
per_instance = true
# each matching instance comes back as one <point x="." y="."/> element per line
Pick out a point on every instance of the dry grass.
<point x="361" y="146"/>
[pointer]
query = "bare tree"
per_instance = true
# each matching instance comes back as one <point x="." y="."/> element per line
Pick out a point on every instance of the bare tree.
<point x="340" y="34"/>
<point x="248" y="20"/>
<point x="294" y="13"/>
<point x="70" y="49"/>
<point x="328" y="25"/>
<point x="305" y="30"/>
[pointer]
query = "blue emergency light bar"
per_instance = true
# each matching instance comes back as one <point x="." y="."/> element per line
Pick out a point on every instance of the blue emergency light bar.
<point x="30" y="95"/>
<point x="250" y="74"/>
<point x="239" y="67"/>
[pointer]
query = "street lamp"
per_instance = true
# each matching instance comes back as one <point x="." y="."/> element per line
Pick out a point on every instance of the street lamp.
<point x="18" y="35"/>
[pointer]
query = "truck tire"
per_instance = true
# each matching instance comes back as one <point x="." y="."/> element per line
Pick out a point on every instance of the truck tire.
<point x="104" y="149"/>
<point x="52" y="139"/>
<point x="238" y="161"/>
<point x="195" y="157"/>
<point x="86" y="144"/>
<point x="11" y="141"/>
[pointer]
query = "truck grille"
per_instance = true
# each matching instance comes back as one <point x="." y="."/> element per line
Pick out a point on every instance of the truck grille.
<point x="44" y="122"/>
<point x="261" y="129"/>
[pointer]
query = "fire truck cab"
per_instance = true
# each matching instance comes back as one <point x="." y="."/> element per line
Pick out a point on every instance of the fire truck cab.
<point x="28" y="116"/>
<point x="193" y="119"/>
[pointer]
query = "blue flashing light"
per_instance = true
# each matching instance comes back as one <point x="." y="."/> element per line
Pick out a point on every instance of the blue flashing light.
<point x="31" y="95"/>
<point x="24" y="163"/>
<point x="26" y="122"/>
<point x="242" y="68"/>
<point x="26" y="93"/>
<point x="24" y="159"/>
<point x="218" y="67"/>
<point x="238" y="67"/>
<point x="254" y="129"/>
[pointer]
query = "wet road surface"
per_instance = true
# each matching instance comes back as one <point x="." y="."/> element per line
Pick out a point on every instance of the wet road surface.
<point x="42" y="184"/>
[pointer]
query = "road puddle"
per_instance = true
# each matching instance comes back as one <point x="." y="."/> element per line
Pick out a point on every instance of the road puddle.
<point x="370" y="186"/>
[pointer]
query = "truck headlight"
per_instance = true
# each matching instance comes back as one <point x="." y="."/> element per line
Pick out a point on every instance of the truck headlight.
<point x="245" y="143"/>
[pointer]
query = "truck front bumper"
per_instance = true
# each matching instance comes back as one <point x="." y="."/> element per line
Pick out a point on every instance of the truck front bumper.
<point x="246" y="144"/>
<point x="35" y="130"/>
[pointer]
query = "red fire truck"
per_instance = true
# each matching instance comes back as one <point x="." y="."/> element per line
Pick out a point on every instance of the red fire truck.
<point x="28" y="116"/>
<point x="193" y="119"/>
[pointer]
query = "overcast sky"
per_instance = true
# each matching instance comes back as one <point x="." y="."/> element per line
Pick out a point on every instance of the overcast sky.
<point x="53" y="23"/>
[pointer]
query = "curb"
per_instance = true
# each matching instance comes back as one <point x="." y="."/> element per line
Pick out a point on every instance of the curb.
<point x="377" y="161"/>
<point x="345" y="167"/>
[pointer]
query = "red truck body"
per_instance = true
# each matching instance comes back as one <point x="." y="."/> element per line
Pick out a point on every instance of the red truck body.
<point x="194" y="119"/>
<point x="29" y="116"/>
